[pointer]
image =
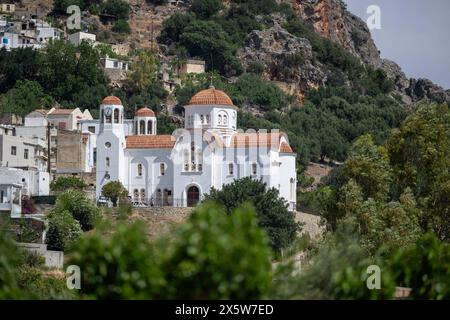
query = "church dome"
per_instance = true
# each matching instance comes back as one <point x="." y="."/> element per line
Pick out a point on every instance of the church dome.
<point x="112" y="100"/>
<point x="144" y="112"/>
<point x="211" y="96"/>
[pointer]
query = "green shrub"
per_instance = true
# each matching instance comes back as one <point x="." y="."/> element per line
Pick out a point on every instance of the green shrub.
<point x="62" y="231"/>
<point x="120" y="267"/>
<point x="206" y="8"/>
<point x="271" y="209"/>
<point x="210" y="256"/>
<point x="424" y="267"/>
<point x="39" y="286"/>
<point x="118" y="8"/>
<point x="121" y="26"/>
<point x="114" y="190"/>
<point x="207" y="257"/>
<point x="65" y="183"/>
<point x="82" y="209"/>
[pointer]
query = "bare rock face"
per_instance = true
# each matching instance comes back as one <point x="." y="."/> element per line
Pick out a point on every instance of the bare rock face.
<point x="287" y="59"/>
<point x="425" y="89"/>
<point x="331" y="20"/>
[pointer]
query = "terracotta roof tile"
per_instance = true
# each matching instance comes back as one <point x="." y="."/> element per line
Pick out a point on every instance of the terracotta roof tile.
<point x="245" y="140"/>
<point x="211" y="96"/>
<point x="285" y="148"/>
<point x="150" y="142"/>
<point x="144" y="112"/>
<point x="61" y="112"/>
<point x="112" y="100"/>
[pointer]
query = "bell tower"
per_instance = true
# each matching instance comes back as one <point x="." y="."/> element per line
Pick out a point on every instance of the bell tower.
<point x="111" y="144"/>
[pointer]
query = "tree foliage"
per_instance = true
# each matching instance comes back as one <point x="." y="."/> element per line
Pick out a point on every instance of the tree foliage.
<point x="62" y="231"/>
<point x="271" y="209"/>
<point x="82" y="209"/>
<point x="114" y="190"/>
<point x="66" y="183"/>
<point x="207" y="257"/>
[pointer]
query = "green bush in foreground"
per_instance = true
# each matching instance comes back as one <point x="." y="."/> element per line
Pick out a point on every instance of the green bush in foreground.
<point x="82" y="209"/>
<point x="212" y="255"/>
<point x="63" y="230"/>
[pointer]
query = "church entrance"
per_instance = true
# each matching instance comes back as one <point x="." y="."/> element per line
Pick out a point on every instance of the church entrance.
<point x="193" y="196"/>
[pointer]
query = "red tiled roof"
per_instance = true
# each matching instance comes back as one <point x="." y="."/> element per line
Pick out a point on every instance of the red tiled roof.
<point x="145" y="112"/>
<point x="285" y="148"/>
<point x="112" y="100"/>
<point x="150" y="142"/>
<point x="61" y="112"/>
<point x="256" y="139"/>
<point x="211" y="96"/>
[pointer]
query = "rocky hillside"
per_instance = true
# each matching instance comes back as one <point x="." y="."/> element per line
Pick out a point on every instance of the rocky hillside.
<point x="289" y="60"/>
<point x="332" y="20"/>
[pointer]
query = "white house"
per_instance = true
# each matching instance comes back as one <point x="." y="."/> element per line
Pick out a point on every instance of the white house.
<point x="178" y="169"/>
<point x="21" y="151"/>
<point x="114" y="64"/>
<point x="78" y="37"/>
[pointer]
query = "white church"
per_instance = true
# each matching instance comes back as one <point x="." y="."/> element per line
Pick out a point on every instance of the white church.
<point x="178" y="169"/>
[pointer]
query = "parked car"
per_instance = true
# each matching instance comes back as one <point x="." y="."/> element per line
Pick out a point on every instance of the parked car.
<point x="104" y="201"/>
<point x="138" y="204"/>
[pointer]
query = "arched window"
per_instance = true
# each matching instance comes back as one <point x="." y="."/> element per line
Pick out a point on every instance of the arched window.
<point x="219" y="121"/>
<point x="225" y="119"/>
<point x="202" y="119"/>
<point x="186" y="160"/>
<point x="108" y="116"/>
<point x="162" y="169"/>
<point x="254" y="168"/>
<point x="149" y="127"/>
<point x="207" y="119"/>
<point x="116" y="115"/>
<point x="139" y="169"/>
<point x="199" y="160"/>
<point x="142" y="127"/>
<point x="142" y="194"/>
<point x="230" y="169"/>
<point x="107" y="161"/>
<point x="136" y="194"/>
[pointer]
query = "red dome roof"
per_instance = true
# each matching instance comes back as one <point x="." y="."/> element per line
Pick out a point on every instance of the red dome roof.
<point x="112" y="100"/>
<point x="211" y="96"/>
<point x="144" y="112"/>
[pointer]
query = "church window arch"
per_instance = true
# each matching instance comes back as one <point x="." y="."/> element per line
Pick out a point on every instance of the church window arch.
<point x="139" y="170"/>
<point x="254" y="168"/>
<point x="142" y="127"/>
<point x="116" y="115"/>
<point x="149" y="127"/>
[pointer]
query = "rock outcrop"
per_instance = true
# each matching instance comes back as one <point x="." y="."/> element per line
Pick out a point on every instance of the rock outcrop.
<point x="331" y="19"/>
<point x="287" y="59"/>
